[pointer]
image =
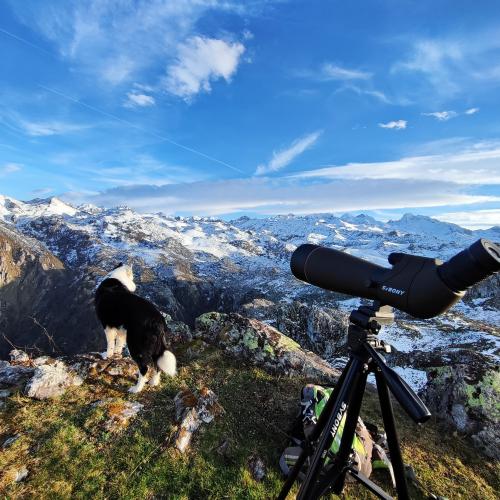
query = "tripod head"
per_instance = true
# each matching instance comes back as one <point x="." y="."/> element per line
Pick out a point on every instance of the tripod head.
<point x="364" y="324"/>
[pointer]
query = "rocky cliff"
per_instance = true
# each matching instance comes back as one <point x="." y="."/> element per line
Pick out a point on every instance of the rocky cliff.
<point x="44" y="306"/>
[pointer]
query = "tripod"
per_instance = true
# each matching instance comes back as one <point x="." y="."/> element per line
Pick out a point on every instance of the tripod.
<point x="364" y="347"/>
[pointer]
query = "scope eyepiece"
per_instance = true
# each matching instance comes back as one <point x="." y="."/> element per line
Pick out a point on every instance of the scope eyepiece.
<point x="471" y="265"/>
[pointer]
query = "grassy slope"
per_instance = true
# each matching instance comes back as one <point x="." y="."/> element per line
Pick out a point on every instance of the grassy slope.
<point x="69" y="453"/>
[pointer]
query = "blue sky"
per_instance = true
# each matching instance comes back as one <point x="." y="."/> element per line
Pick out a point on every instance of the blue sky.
<point x="215" y="107"/>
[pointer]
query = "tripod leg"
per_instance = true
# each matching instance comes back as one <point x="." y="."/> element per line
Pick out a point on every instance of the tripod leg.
<point x="336" y="413"/>
<point x="342" y="457"/>
<point x="315" y="433"/>
<point x="392" y="437"/>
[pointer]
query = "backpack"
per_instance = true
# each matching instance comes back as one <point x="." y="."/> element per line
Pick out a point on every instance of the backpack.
<point x="369" y="447"/>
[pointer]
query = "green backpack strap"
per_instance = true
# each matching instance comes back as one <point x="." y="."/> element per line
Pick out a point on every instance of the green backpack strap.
<point x="380" y="460"/>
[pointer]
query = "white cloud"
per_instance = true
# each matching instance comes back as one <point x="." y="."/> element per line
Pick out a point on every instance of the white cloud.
<point x="42" y="191"/>
<point x="10" y="168"/>
<point x="473" y="219"/>
<point x="397" y="125"/>
<point x="471" y="111"/>
<point x="267" y="195"/>
<point x="377" y="94"/>
<point x="284" y="157"/>
<point x="331" y="71"/>
<point x="141" y="169"/>
<point x="354" y="80"/>
<point x="454" y="65"/>
<point x="40" y="129"/>
<point x="135" y="99"/>
<point x="201" y="61"/>
<point x="477" y="165"/>
<point x="119" y="39"/>
<point x="425" y="181"/>
<point x="442" y="116"/>
<point x="118" y="70"/>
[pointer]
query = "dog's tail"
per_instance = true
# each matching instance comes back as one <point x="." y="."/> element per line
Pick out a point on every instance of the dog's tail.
<point x="167" y="363"/>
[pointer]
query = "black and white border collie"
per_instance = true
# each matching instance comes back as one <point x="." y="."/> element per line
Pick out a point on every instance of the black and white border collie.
<point x="128" y="318"/>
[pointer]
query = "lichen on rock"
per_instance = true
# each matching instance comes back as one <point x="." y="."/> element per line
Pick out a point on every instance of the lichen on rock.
<point x="468" y="398"/>
<point x="51" y="380"/>
<point x="260" y="344"/>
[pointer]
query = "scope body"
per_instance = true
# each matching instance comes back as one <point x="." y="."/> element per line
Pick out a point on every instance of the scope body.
<point x="421" y="286"/>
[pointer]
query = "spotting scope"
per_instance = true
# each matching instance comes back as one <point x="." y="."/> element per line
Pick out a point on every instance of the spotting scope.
<point x="421" y="286"/>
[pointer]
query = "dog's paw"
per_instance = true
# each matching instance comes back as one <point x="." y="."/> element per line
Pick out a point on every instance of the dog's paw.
<point x="104" y="355"/>
<point x="154" y="381"/>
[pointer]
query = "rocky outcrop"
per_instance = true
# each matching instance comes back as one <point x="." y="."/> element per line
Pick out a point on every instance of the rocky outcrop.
<point x="318" y="329"/>
<point x="51" y="379"/>
<point x="487" y="292"/>
<point x="45" y="377"/>
<point x="261" y="309"/>
<point x="261" y="344"/>
<point x="467" y="396"/>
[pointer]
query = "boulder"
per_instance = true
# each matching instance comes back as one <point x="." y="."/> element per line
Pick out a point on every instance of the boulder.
<point x="262" y="345"/>
<point x="466" y="396"/>
<point x="51" y="380"/>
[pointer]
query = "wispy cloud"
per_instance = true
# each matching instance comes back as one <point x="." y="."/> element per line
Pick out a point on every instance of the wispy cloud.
<point x="473" y="219"/>
<point x="442" y="116"/>
<point x="42" y="191"/>
<point x="354" y="80"/>
<point x="141" y="169"/>
<point x="473" y="166"/>
<point x="285" y="156"/>
<point x="199" y="62"/>
<point x="118" y="40"/>
<point x="266" y="195"/>
<point x="331" y="71"/>
<point x="135" y="99"/>
<point x="377" y="94"/>
<point x="404" y="184"/>
<point x="396" y="125"/>
<point x="452" y="65"/>
<point x="40" y="129"/>
<point x="10" y="168"/>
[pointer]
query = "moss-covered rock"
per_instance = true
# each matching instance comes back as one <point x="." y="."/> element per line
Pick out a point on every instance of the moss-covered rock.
<point x="260" y="344"/>
<point x="468" y="398"/>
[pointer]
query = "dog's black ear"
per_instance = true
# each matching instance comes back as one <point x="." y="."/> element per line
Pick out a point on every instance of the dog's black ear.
<point x="119" y="265"/>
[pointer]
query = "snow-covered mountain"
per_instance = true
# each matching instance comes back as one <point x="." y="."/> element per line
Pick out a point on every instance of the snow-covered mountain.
<point x="189" y="265"/>
<point x="245" y="255"/>
<point x="246" y="242"/>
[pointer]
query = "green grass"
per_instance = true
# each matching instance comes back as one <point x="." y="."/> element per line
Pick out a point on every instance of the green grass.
<point x="70" y="454"/>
